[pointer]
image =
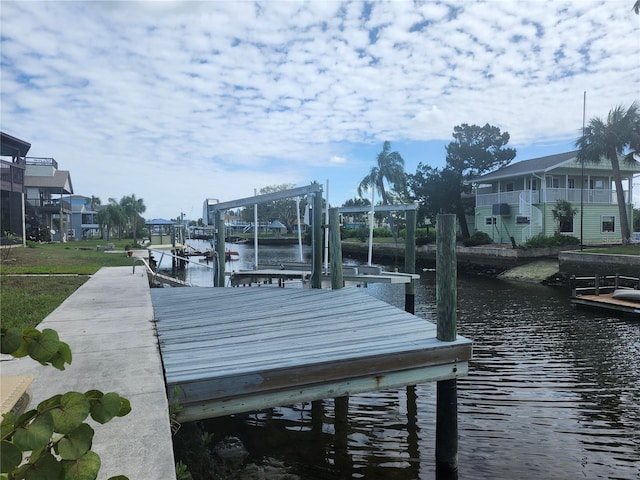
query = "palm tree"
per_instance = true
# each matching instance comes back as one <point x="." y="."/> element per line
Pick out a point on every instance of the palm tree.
<point x="132" y="208"/>
<point x="94" y="202"/>
<point x="388" y="171"/>
<point x="636" y="7"/>
<point x="617" y="137"/>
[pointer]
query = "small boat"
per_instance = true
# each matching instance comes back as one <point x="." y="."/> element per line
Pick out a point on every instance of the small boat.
<point x="628" y="294"/>
<point x="230" y="255"/>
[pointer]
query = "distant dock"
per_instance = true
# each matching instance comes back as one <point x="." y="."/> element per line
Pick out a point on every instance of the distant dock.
<point x="616" y="294"/>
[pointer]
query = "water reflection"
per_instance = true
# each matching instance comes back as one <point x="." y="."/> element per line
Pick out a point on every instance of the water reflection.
<point x="551" y="393"/>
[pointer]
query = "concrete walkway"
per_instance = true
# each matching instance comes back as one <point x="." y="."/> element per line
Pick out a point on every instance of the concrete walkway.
<point x="108" y="324"/>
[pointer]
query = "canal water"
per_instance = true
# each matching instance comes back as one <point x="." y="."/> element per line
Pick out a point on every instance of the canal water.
<point x="552" y="393"/>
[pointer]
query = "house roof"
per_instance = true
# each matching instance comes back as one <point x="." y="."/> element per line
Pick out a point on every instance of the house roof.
<point x="159" y="221"/>
<point x="59" y="182"/>
<point x="276" y="224"/>
<point x="527" y="167"/>
<point x="11" y="146"/>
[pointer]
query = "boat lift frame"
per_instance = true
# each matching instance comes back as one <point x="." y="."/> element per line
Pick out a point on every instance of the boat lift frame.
<point x="213" y="214"/>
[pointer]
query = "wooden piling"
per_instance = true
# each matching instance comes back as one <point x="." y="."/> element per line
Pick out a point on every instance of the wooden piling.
<point x="219" y="257"/>
<point x="316" y="232"/>
<point x="410" y="261"/>
<point x="446" y="305"/>
<point x="335" y="249"/>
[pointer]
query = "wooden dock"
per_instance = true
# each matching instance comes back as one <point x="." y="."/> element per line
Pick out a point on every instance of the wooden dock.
<point x="597" y="293"/>
<point x="267" y="275"/>
<point x="230" y="350"/>
<point x="605" y="301"/>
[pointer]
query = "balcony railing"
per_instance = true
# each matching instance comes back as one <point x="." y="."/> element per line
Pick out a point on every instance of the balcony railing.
<point x="550" y="195"/>
<point x="49" y="204"/>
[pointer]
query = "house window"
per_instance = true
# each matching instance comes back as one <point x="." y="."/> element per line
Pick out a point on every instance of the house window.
<point x="566" y="225"/>
<point x="571" y="183"/>
<point x="608" y="223"/>
<point x="523" y="220"/>
<point x="555" y="182"/>
<point x="490" y="220"/>
<point x="509" y="187"/>
<point x="533" y="184"/>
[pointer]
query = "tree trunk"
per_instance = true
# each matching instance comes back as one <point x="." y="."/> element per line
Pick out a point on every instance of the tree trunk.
<point x="622" y="205"/>
<point x="462" y="219"/>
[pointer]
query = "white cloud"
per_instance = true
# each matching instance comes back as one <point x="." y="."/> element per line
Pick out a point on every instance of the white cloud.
<point x="242" y="92"/>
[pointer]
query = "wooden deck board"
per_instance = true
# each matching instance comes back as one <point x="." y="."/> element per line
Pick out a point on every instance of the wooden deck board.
<point x="224" y="346"/>
<point x="607" y="302"/>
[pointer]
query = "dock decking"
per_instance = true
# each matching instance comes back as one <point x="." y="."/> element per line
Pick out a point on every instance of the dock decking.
<point x="267" y="275"/>
<point x="605" y="301"/>
<point x="229" y="350"/>
<point x="597" y="293"/>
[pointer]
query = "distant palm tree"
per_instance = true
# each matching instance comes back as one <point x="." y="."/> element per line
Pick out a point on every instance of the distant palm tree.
<point x="617" y="137"/>
<point x="387" y="176"/>
<point x="132" y="208"/>
<point x="389" y="169"/>
<point x="111" y="216"/>
<point x="95" y="202"/>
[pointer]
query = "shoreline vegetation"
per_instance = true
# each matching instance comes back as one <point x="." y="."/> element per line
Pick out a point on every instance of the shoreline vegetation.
<point x="36" y="279"/>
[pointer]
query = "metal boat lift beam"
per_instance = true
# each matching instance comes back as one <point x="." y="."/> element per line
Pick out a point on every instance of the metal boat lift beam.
<point x="379" y="208"/>
<point x="267" y="197"/>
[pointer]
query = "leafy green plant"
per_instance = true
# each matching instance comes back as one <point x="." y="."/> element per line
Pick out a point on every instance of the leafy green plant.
<point x="53" y="441"/>
<point x="478" y="238"/>
<point x="556" y="240"/>
<point x="6" y="252"/>
<point x="182" y="472"/>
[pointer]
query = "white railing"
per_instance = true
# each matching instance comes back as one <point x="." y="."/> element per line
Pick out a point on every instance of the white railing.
<point x="550" y="195"/>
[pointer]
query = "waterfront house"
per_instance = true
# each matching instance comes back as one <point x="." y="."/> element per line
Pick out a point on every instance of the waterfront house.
<point x="46" y="205"/>
<point x="516" y="201"/>
<point x="84" y="218"/>
<point x="12" y="204"/>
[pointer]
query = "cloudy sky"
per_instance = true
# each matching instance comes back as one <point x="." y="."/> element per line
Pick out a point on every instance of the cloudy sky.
<point x="178" y="101"/>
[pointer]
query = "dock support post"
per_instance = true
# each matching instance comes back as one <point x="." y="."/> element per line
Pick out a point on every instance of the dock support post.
<point x="316" y="232"/>
<point x="410" y="261"/>
<point x="219" y="257"/>
<point x="446" y="305"/>
<point x="335" y="249"/>
<point x="341" y="434"/>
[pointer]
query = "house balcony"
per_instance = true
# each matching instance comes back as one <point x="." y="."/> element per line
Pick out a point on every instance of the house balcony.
<point x="551" y="195"/>
<point x="49" y="205"/>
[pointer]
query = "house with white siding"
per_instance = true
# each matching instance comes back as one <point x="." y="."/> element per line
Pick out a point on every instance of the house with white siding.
<point x="516" y="201"/>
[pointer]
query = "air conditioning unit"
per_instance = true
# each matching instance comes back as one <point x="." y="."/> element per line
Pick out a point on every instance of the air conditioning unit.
<point x="501" y="209"/>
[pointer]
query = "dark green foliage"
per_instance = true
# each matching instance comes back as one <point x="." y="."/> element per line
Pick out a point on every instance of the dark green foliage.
<point x="556" y="240"/>
<point x="475" y="150"/>
<point x="53" y="440"/>
<point x="478" y="238"/>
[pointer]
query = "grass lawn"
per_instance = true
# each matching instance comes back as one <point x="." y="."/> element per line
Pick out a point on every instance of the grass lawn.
<point x="616" y="250"/>
<point x="54" y="271"/>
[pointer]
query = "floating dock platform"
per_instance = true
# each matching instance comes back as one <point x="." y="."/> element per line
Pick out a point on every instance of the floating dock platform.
<point x="605" y="301"/>
<point x="231" y="350"/>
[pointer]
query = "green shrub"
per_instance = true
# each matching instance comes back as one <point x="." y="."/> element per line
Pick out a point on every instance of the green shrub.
<point x="478" y="238"/>
<point x="424" y="236"/>
<point x="556" y="240"/>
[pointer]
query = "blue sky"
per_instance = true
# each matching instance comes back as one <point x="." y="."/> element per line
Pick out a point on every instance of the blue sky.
<point x="181" y="101"/>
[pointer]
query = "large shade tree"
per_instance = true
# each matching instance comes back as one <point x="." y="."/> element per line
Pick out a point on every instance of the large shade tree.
<point x="613" y="139"/>
<point x="475" y="150"/>
<point x="387" y="177"/>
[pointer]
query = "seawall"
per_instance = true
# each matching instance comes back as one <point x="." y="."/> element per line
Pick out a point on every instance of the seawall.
<point x="489" y="259"/>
